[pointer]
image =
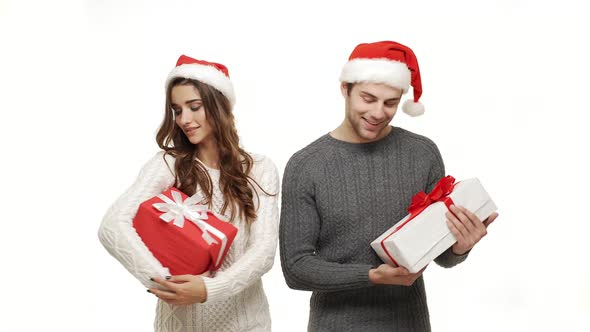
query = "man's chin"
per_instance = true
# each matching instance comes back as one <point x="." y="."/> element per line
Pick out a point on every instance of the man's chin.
<point x="370" y="135"/>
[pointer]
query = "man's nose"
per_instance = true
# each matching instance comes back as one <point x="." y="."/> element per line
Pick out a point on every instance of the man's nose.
<point x="378" y="111"/>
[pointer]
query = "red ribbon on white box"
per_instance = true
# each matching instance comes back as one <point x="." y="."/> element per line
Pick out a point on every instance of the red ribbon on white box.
<point x="440" y="193"/>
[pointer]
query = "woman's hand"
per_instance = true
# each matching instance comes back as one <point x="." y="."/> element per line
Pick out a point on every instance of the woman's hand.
<point x="182" y="289"/>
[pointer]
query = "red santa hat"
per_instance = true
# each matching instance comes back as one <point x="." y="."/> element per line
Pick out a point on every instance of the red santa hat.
<point x="389" y="63"/>
<point x="211" y="73"/>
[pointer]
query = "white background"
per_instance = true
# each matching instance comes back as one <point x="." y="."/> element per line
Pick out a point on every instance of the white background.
<point x="81" y="97"/>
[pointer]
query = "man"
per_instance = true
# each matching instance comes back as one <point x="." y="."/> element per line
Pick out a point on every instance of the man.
<point x="349" y="186"/>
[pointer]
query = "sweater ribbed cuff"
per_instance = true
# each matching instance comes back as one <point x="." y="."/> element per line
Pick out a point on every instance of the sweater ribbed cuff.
<point x="358" y="278"/>
<point x="363" y="275"/>
<point x="215" y="288"/>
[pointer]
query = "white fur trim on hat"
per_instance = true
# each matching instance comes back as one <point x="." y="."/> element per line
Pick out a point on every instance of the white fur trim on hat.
<point x="206" y="74"/>
<point x="412" y="108"/>
<point x="386" y="71"/>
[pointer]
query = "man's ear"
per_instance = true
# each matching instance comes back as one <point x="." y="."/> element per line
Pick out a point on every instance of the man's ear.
<point x="344" y="89"/>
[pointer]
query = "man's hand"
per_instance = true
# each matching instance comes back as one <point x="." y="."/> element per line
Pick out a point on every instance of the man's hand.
<point x="467" y="228"/>
<point x="385" y="274"/>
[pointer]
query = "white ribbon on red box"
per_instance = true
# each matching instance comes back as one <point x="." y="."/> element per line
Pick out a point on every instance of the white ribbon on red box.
<point x="190" y="209"/>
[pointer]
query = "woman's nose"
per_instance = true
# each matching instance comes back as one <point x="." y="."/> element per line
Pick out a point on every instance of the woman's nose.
<point x="185" y="116"/>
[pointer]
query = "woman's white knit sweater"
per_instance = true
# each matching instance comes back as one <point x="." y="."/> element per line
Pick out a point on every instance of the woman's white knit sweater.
<point x="235" y="297"/>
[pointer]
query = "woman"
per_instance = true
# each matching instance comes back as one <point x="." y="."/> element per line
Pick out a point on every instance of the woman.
<point x="201" y="155"/>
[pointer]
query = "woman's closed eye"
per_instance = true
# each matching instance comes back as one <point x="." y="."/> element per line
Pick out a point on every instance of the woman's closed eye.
<point x="176" y="111"/>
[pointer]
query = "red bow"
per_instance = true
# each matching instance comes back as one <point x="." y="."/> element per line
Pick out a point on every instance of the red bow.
<point x="420" y="201"/>
<point x="439" y="193"/>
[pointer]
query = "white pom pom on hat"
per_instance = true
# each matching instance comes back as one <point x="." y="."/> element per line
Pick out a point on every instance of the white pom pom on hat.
<point x="389" y="63"/>
<point x="413" y="108"/>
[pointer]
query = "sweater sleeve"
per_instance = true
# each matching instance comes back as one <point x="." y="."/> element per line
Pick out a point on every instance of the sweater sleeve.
<point x="299" y="231"/>
<point x="437" y="171"/>
<point x="116" y="232"/>
<point x="262" y="243"/>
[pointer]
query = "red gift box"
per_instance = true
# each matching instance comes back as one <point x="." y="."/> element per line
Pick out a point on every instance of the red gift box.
<point x="182" y="234"/>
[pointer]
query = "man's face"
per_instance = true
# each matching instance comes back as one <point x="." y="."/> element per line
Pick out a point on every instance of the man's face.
<point x="370" y="107"/>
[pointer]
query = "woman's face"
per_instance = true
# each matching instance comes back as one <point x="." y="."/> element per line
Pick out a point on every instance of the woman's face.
<point x="190" y="113"/>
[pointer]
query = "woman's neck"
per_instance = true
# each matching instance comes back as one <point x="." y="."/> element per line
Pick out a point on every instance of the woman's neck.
<point x="208" y="153"/>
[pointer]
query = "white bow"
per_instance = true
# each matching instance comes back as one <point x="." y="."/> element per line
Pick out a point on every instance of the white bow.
<point x="190" y="209"/>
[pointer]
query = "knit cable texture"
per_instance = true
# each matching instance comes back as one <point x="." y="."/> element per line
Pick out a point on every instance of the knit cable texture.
<point x="235" y="297"/>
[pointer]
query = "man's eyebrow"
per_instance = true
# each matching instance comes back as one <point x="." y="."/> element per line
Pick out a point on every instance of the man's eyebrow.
<point x="393" y="99"/>
<point x="372" y="96"/>
<point x="368" y="94"/>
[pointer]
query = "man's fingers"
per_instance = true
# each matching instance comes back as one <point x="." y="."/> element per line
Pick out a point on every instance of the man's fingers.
<point x="391" y="271"/>
<point x="454" y="230"/>
<point x="472" y="217"/>
<point x="479" y="229"/>
<point x="456" y="226"/>
<point x="467" y="223"/>
<point x="422" y="270"/>
<point x="401" y="271"/>
<point x="490" y="219"/>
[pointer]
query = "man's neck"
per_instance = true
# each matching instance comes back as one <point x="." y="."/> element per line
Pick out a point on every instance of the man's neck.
<point x="345" y="132"/>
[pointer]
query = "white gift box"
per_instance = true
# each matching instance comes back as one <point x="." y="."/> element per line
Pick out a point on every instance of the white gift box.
<point x="416" y="243"/>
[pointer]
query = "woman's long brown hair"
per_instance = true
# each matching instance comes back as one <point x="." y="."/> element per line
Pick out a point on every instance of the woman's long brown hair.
<point x="235" y="163"/>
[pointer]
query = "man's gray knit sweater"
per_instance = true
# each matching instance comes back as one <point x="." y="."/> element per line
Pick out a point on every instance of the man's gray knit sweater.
<point x="337" y="198"/>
